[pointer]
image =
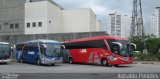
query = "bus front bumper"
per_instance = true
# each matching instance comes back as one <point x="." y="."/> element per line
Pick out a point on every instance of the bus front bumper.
<point x="121" y="61"/>
<point x="5" y="61"/>
<point x="51" y="61"/>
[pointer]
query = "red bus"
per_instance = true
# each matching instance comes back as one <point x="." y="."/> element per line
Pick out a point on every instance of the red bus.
<point x="103" y="50"/>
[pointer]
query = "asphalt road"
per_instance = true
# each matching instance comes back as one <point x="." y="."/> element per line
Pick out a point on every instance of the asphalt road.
<point x="76" y="71"/>
<point x="15" y="67"/>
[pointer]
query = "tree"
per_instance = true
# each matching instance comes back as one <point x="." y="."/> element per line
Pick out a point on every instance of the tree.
<point x="152" y="43"/>
<point x="138" y="40"/>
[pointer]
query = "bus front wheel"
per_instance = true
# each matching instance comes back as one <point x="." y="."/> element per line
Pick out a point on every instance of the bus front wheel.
<point x="116" y="65"/>
<point x="104" y="62"/>
<point x="71" y="60"/>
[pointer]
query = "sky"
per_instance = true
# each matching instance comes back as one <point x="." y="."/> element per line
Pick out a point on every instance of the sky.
<point x="104" y="7"/>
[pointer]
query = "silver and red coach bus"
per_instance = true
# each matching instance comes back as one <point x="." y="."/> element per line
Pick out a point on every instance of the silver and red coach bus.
<point x="104" y="50"/>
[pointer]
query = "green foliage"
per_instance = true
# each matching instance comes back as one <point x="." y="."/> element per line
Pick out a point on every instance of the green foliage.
<point x="138" y="40"/>
<point x="147" y="57"/>
<point x="152" y="45"/>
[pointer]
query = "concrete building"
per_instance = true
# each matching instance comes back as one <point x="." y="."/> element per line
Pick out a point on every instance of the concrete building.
<point x="118" y="25"/>
<point x="156" y="22"/>
<point x="12" y="17"/>
<point x="99" y="25"/>
<point x="125" y="26"/>
<point x="43" y="17"/>
<point x="18" y="17"/>
<point x="79" y="20"/>
<point x="153" y="24"/>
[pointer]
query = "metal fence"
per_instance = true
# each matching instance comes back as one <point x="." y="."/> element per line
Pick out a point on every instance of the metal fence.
<point x="14" y="39"/>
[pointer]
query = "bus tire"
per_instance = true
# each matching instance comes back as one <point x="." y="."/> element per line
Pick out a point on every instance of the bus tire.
<point x="71" y="60"/>
<point x="104" y="62"/>
<point x="5" y="63"/>
<point x="53" y="64"/>
<point x="116" y="65"/>
<point x="38" y="62"/>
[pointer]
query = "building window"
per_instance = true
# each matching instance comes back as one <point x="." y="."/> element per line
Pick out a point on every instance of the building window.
<point x="34" y="24"/>
<point x="16" y="26"/>
<point x="28" y="25"/>
<point x="49" y="21"/>
<point x="40" y="24"/>
<point x="11" y="26"/>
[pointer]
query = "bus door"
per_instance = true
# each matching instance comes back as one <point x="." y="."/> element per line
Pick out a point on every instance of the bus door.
<point x="82" y="55"/>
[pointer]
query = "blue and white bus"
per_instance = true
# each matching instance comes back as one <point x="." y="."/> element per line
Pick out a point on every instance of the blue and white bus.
<point x="39" y="52"/>
<point x="5" y="52"/>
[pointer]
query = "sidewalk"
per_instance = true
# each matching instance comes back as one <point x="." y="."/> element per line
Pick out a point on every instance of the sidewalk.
<point x="147" y="62"/>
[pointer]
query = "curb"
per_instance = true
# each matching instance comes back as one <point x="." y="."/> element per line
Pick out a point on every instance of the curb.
<point x="148" y="62"/>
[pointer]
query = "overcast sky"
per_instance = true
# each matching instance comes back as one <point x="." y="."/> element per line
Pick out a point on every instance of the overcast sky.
<point x="104" y="7"/>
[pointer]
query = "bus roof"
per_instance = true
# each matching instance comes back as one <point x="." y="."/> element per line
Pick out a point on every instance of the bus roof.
<point x="42" y="41"/>
<point x="4" y="43"/>
<point x="97" y="38"/>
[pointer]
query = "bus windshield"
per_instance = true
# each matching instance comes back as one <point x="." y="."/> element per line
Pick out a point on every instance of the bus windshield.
<point x="4" y="51"/>
<point x="51" y="50"/>
<point x="126" y="49"/>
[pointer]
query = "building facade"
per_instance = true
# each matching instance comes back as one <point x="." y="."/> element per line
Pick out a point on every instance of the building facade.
<point x="19" y="17"/>
<point x="99" y="25"/>
<point x="42" y="17"/>
<point x="156" y="22"/>
<point x="12" y="17"/>
<point x="78" y="20"/>
<point x="118" y="25"/>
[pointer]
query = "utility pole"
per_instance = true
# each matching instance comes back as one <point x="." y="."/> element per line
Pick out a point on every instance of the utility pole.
<point x="137" y="26"/>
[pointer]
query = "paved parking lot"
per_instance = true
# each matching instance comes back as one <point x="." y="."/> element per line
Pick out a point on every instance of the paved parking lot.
<point x="15" y="67"/>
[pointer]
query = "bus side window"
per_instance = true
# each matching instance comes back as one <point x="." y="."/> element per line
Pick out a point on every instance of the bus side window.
<point x="42" y="49"/>
<point x="104" y="47"/>
<point x="24" y="50"/>
<point x="115" y="49"/>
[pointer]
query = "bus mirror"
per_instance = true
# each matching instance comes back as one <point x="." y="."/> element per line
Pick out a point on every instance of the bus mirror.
<point x="133" y="46"/>
<point x="119" y="44"/>
<point x="62" y="47"/>
<point x="43" y="46"/>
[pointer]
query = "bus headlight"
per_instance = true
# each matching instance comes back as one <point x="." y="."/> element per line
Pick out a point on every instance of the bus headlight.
<point x="115" y="59"/>
<point x="53" y="58"/>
